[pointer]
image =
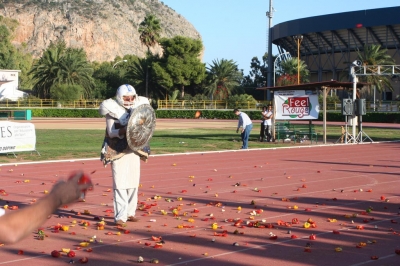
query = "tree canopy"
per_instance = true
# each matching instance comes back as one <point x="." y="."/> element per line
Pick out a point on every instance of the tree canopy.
<point x="10" y="56"/>
<point x="61" y="65"/>
<point x="180" y="64"/>
<point x="374" y="55"/>
<point x="289" y="69"/>
<point x="149" y="30"/>
<point x="224" y="77"/>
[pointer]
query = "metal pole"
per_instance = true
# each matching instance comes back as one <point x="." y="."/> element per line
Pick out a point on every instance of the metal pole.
<point x="298" y="38"/>
<point x="353" y="117"/>
<point x="324" y="116"/>
<point x="298" y="61"/>
<point x="374" y="96"/>
<point x="270" y="14"/>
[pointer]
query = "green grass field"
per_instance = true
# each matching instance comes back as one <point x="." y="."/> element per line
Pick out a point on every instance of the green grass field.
<point x="55" y="144"/>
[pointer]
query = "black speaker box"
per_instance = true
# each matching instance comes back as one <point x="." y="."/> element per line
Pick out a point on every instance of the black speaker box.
<point x="360" y="107"/>
<point x="347" y="107"/>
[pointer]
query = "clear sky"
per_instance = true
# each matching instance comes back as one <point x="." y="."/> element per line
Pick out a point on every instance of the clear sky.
<point x="237" y="29"/>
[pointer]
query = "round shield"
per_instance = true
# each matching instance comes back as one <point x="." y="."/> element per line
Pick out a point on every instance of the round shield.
<point x="140" y="128"/>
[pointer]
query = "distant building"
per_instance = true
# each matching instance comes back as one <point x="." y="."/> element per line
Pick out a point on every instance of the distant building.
<point x="329" y="43"/>
<point x="9" y="85"/>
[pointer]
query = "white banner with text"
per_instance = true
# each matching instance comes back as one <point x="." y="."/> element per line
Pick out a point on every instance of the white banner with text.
<point x="16" y="137"/>
<point x="296" y="105"/>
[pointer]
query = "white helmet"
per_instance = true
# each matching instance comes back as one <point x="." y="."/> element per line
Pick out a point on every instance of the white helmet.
<point x="125" y="90"/>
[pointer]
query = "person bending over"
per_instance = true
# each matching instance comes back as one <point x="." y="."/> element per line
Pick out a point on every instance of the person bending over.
<point x="246" y="125"/>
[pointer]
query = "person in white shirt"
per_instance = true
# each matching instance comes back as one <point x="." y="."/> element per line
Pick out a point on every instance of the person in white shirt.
<point x="246" y="125"/>
<point x="268" y="114"/>
<point x="262" y="127"/>
<point x="16" y="225"/>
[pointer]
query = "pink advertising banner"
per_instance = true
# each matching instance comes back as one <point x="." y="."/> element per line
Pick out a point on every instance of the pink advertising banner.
<point x="296" y="105"/>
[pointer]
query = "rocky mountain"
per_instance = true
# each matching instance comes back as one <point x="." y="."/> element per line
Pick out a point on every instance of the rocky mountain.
<point x="103" y="28"/>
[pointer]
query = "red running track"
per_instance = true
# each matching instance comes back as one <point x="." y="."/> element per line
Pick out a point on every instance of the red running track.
<point x="252" y="197"/>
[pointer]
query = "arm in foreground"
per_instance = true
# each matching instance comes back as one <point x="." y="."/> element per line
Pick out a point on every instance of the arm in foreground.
<point x="16" y="225"/>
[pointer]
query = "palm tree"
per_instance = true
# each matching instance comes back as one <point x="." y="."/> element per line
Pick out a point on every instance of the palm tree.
<point x="137" y="72"/>
<point x="76" y="70"/>
<point x="45" y="71"/>
<point x="374" y="55"/>
<point x="149" y="30"/>
<point x="61" y="65"/>
<point x="289" y="68"/>
<point x="223" y="78"/>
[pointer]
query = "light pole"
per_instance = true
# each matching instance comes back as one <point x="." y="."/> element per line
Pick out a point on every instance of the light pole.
<point x="279" y="56"/>
<point x="298" y="38"/>
<point x="120" y="62"/>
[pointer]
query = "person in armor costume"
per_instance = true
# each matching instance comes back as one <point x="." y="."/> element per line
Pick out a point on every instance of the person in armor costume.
<point x="125" y="165"/>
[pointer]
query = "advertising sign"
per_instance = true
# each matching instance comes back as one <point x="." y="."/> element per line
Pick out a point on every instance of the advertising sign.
<point x="296" y="105"/>
<point x="16" y="137"/>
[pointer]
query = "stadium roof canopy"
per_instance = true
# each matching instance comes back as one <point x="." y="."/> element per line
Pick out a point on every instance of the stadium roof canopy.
<point x="330" y="41"/>
<point x="342" y="31"/>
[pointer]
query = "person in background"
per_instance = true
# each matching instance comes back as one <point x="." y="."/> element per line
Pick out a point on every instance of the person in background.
<point x="262" y="128"/>
<point x="17" y="224"/>
<point x="246" y="126"/>
<point x="268" y="115"/>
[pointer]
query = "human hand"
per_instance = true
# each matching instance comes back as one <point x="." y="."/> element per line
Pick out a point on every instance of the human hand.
<point x="65" y="192"/>
<point x="237" y="130"/>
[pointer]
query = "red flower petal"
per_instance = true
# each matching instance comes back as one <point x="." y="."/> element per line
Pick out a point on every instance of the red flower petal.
<point x="84" y="260"/>
<point x="71" y="254"/>
<point x="55" y="254"/>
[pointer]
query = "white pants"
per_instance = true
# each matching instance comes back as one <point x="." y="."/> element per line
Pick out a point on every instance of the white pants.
<point x="126" y="176"/>
<point x="125" y="203"/>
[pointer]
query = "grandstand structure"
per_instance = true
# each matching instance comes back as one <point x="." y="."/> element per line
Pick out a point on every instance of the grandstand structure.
<point x="330" y="42"/>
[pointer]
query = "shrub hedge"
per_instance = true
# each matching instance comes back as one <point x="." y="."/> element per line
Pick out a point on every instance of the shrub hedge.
<point x="377" y="117"/>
